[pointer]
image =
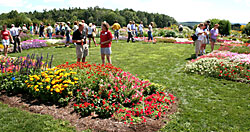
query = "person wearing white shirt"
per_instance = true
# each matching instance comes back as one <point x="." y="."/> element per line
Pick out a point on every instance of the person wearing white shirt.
<point x="130" y="32"/>
<point x="90" y="31"/>
<point x="49" y="31"/>
<point x="141" y="28"/>
<point x="68" y="31"/>
<point x="15" y="35"/>
<point x="24" y="28"/>
<point x="75" y="27"/>
<point x="150" y="32"/>
<point x="200" y="34"/>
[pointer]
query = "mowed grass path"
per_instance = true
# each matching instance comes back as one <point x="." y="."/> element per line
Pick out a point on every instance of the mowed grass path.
<point x="205" y="103"/>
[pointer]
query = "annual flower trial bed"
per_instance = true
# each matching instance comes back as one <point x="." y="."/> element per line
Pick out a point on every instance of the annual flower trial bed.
<point x="222" y="64"/>
<point x="105" y="90"/>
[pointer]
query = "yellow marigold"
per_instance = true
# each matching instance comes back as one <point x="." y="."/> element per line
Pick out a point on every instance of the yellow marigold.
<point x="76" y="79"/>
<point x="36" y="86"/>
<point x="58" y="77"/>
<point x="76" y="82"/>
<point x="37" y="90"/>
<point x="70" y="93"/>
<point x="61" y="74"/>
<point x="47" y="87"/>
<point x="51" y="76"/>
<point x="26" y="81"/>
<point x="72" y="83"/>
<point x="51" y="90"/>
<point x="57" y="90"/>
<point x="40" y="83"/>
<point x="31" y="79"/>
<point x="65" y="85"/>
<point x="53" y="82"/>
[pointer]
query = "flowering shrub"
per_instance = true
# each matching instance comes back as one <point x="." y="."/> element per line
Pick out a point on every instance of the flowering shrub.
<point x="35" y="43"/>
<point x="110" y="92"/>
<point x="56" y="85"/>
<point x="15" y="70"/>
<point x="227" y="65"/>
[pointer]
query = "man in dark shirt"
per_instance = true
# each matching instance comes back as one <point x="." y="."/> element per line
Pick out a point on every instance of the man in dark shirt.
<point x="81" y="46"/>
<point x="41" y="30"/>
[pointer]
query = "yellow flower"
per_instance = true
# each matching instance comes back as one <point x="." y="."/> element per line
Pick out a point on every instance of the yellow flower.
<point x="48" y="87"/>
<point x="57" y="90"/>
<point x="51" y="90"/>
<point x="26" y="81"/>
<point x="36" y="86"/>
<point x="70" y="93"/>
<point x="37" y="89"/>
<point x="76" y="79"/>
<point x="40" y="83"/>
<point x="53" y="82"/>
<point x="76" y="82"/>
<point x="31" y="79"/>
<point x="47" y="80"/>
<point x="65" y="85"/>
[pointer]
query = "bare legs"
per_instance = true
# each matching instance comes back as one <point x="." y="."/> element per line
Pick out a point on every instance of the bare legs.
<point x="83" y="59"/>
<point x="108" y="58"/>
<point x="5" y="50"/>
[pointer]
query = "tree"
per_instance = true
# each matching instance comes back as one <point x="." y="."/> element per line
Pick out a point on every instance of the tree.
<point x="246" y="29"/>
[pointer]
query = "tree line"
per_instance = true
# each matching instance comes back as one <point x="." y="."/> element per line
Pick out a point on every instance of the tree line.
<point x="93" y="15"/>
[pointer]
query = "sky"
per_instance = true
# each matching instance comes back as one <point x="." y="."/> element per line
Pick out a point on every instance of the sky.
<point x="236" y="11"/>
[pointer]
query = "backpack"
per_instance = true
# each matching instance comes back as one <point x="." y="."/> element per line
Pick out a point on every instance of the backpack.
<point x="194" y="37"/>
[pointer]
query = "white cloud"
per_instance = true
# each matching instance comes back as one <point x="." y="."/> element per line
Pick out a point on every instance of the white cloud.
<point x="13" y="3"/>
<point x="50" y="1"/>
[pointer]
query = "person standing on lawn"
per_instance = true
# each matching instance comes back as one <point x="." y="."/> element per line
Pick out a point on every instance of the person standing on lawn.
<point x="49" y="31"/>
<point x="141" y="29"/>
<point x="68" y="31"/>
<point x="31" y="28"/>
<point x="150" y="31"/>
<point x="36" y="29"/>
<point x="106" y="41"/>
<point x="81" y="46"/>
<point x="116" y="27"/>
<point x="15" y="32"/>
<point x="199" y="33"/>
<point x="24" y="28"/>
<point x="5" y="36"/>
<point x="57" y="28"/>
<point x="90" y="31"/>
<point x="213" y="35"/>
<point x="75" y="27"/>
<point x="130" y="32"/>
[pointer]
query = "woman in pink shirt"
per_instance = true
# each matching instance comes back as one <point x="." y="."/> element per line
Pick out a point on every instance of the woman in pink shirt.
<point x="5" y="35"/>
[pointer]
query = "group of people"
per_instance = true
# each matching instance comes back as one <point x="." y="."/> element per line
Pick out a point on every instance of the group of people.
<point x="205" y="36"/>
<point x="132" y="29"/>
<point x="82" y="48"/>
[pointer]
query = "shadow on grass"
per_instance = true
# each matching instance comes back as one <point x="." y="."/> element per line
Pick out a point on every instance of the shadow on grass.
<point x="193" y="56"/>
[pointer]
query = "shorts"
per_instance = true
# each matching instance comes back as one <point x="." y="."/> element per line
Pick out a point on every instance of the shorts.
<point x="5" y="42"/>
<point x="90" y="36"/>
<point x="117" y="33"/>
<point x="213" y="40"/>
<point x="141" y="32"/>
<point x="106" y="51"/>
<point x="82" y="51"/>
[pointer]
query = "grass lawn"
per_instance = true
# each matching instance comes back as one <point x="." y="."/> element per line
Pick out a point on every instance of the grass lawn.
<point x="205" y="103"/>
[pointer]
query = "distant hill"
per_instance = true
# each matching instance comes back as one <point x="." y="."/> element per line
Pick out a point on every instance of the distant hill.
<point x="189" y="24"/>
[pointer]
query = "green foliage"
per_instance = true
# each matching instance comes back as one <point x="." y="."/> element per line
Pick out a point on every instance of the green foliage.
<point x="205" y="103"/>
<point x="96" y="15"/>
<point x="224" y="28"/>
<point x="246" y="30"/>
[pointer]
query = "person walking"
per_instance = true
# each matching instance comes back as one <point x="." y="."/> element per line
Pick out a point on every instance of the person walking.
<point x="129" y="30"/>
<point x="5" y="36"/>
<point x="150" y="32"/>
<point x="15" y="32"/>
<point x="41" y="31"/>
<point x="81" y="47"/>
<point x="75" y="27"/>
<point x="57" y="28"/>
<point x="204" y="41"/>
<point x="49" y="31"/>
<point x="90" y="31"/>
<point x="141" y="29"/>
<point x="213" y="35"/>
<point x="116" y="27"/>
<point x="62" y="29"/>
<point x="68" y="31"/>
<point x="106" y="41"/>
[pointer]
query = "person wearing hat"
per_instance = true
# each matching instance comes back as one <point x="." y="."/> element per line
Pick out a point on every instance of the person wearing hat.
<point x="15" y="32"/>
<point x="82" y="50"/>
<point x="68" y="31"/>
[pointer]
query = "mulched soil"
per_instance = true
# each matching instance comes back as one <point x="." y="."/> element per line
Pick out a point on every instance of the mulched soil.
<point x="27" y="103"/>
